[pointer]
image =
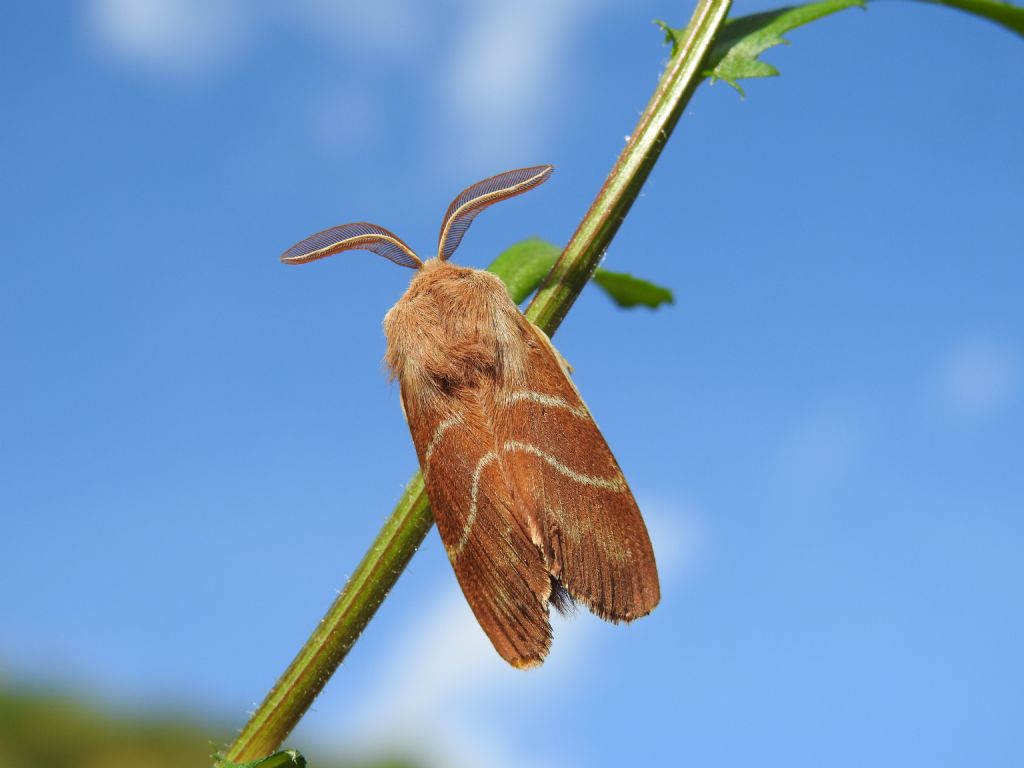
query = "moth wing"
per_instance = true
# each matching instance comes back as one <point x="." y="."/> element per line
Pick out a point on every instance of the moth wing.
<point x="569" y="486"/>
<point x="498" y="565"/>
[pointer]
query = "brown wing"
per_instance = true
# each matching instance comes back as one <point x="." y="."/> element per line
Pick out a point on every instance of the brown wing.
<point x="525" y="492"/>
<point x="567" y="482"/>
<point x="500" y="569"/>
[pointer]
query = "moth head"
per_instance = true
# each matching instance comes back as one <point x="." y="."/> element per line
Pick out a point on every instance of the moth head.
<point x="460" y="214"/>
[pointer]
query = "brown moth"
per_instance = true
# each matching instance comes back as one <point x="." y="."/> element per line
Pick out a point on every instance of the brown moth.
<point x="530" y="503"/>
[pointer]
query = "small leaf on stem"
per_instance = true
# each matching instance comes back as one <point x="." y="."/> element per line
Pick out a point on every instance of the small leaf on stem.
<point x="628" y="291"/>
<point x="735" y="53"/>
<point x="524" y="265"/>
<point x="742" y="40"/>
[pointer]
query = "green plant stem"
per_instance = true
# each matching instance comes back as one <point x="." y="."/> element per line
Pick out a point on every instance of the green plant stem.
<point x="594" y="234"/>
<point x="380" y="568"/>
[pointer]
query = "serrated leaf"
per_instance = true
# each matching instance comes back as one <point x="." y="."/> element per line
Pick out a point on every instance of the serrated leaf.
<point x="673" y="36"/>
<point x="734" y="55"/>
<point x="289" y="758"/>
<point x="523" y="266"/>
<point x="742" y="40"/>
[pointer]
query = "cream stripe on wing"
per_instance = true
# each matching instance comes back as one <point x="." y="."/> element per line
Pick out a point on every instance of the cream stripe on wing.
<point x="474" y="489"/>
<point x="435" y="439"/>
<point x="580" y="411"/>
<point x="616" y="483"/>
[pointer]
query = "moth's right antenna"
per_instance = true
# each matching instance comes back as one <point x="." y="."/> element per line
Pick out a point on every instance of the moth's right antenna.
<point x="466" y="206"/>
<point x="349" y="237"/>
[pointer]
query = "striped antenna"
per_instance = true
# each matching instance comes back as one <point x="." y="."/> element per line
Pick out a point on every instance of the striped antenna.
<point x="465" y="207"/>
<point x="348" y="237"/>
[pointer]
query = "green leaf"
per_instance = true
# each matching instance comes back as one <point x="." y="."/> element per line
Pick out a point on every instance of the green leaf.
<point x="673" y="37"/>
<point x="1009" y="16"/>
<point x="290" y="758"/>
<point x="523" y="266"/>
<point x="734" y="55"/>
<point x="629" y="291"/>
<point x="742" y="40"/>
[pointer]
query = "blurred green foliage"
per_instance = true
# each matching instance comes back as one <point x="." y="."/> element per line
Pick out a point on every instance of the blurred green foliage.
<point x="40" y="729"/>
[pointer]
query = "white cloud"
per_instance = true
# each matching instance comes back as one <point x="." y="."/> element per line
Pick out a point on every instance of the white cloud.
<point x="169" y="36"/>
<point x="979" y="378"/>
<point x="444" y="694"/>
<point x="495" y="69"/>
<point x="677" y="537"/>
<point x="192" y="37"/>
<point x="378" y="27"/>
<point x="506" y="73"/>
<point x="436" y="681"/>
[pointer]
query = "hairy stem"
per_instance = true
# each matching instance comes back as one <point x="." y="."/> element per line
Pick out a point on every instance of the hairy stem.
<point x="594" y="234"/>
<point x="380" y="568"/>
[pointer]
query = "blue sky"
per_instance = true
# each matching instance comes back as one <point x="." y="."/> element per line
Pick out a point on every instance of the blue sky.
<point x="824" y="432"/>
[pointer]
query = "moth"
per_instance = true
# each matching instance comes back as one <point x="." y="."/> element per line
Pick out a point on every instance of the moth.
<point x="529" y="501"/>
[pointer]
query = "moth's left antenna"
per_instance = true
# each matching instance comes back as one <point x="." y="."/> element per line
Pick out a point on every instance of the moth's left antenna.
<point x="349" y="237"/>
